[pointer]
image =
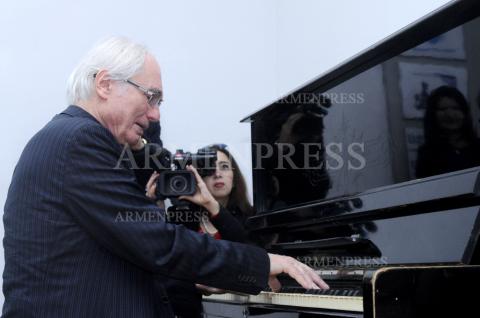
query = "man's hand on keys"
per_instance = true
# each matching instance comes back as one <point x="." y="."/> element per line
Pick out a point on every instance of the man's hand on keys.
<point x="303" y="274"/>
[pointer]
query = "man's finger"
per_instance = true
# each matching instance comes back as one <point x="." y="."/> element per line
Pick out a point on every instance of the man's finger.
<point x="316" y="278"/>
<point x="298" y="273"/>
<point x="274" y="284"/>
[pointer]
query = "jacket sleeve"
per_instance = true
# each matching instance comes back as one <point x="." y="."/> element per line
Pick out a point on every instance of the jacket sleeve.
<point x="229" y="227"/>
<point x="107" y="202"/>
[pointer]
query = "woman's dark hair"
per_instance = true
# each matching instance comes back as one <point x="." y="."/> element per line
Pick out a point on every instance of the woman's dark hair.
<point x="238" y="200"/>
<point x="433" y="133"/>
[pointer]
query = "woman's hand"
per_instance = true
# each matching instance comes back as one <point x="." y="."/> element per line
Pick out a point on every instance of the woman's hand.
<point x="202" y="196"/>
<point x="152" y="186"/>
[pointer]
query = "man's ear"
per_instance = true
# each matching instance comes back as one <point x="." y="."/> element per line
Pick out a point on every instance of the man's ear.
<point x="103" y="84"/>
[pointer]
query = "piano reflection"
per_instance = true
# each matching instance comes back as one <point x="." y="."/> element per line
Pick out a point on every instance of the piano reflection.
<point x="335" y="181"/>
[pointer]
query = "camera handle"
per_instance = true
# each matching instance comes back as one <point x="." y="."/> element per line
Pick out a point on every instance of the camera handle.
<point x="184" y="213"/>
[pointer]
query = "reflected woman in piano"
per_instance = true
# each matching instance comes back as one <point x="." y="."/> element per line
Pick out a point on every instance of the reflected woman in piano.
<point x="450" y="141"/>
<point x="224" y="196"/>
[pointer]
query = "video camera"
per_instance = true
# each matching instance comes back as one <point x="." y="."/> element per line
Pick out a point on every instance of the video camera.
<point x="178" y="180"/>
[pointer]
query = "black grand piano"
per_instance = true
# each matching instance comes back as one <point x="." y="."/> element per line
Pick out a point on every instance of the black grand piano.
<point x="370" y="174"/>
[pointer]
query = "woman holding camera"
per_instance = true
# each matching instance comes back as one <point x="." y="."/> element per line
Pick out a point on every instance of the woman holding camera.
<point x="224" y="196"/>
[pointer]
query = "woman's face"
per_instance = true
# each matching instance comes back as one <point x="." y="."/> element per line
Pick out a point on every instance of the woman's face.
<point x="449" y="115"/>
<point x="220" y="183"/>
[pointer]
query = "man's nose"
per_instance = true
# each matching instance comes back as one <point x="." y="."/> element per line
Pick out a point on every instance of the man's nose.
<point x="153" y="113"/>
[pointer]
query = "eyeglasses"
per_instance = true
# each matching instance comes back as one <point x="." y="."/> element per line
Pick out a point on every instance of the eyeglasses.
<point x="154" y="97"/>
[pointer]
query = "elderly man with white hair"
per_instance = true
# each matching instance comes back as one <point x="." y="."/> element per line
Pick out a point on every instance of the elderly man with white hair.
<point x="69" y="249"/>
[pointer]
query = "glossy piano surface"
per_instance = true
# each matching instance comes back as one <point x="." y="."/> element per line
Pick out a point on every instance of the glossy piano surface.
<point x="369" y="123"/>
<point x="422" y="222"/>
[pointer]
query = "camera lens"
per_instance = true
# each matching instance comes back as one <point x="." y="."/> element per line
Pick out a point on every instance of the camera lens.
<point x="178" y="184"/>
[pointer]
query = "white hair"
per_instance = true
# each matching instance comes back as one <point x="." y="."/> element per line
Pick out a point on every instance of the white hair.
<point x="119" y="56"/>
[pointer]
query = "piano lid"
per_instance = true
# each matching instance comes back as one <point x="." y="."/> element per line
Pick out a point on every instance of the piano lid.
<point x="445" y="18"/>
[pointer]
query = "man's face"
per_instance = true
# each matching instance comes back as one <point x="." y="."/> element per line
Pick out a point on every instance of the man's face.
<point x="127" y="112"/>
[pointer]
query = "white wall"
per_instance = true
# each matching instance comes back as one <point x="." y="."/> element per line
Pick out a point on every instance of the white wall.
<point x="221" y="60"/>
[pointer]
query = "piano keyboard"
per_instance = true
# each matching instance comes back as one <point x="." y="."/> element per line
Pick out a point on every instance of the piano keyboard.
<point x="332" y="302"/>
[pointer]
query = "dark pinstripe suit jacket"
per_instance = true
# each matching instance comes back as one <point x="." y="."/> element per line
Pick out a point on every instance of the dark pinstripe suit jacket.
<point x="82" y="240"/>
